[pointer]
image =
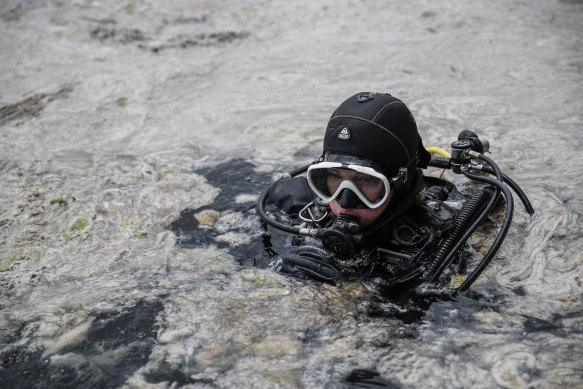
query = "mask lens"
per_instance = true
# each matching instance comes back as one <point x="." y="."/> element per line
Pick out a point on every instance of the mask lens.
<point x="319" y="181"/>
<point x="371" y="187"/>
<point x="333" y="179"/>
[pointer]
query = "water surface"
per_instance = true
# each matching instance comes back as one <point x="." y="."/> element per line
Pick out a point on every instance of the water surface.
<point x="116" y="120"/>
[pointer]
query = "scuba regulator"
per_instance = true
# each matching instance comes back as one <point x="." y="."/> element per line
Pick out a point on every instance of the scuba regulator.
<point x="344" y="238"/>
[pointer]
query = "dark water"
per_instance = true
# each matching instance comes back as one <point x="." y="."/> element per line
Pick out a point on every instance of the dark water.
<point x="367" y="379"/>
<point x="128" y="334"/>
<point x="127" y="242"/>
<point x="232" y="178"/>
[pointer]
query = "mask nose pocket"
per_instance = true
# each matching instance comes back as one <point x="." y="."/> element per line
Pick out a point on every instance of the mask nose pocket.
<point x="347" y="199"/>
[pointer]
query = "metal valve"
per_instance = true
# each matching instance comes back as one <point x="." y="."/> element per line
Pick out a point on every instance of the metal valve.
<point x="459" y="154"/>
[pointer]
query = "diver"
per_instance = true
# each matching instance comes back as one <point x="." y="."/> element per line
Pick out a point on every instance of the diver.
<point x="365" y="206"/>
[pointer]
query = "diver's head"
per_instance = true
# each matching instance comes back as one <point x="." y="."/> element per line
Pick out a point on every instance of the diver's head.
<point x="371" y="153"/>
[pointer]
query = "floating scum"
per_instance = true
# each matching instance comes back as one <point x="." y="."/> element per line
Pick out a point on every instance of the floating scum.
<point x="136" y="141"/>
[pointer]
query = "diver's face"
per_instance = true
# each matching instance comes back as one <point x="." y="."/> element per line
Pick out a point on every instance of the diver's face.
<point x="372" y="190"/>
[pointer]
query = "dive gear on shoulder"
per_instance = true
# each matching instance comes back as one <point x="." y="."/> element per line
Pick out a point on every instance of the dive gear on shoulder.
<point x="454" y="241"/>
<point x="345" y="238"/>
<point x="464" y="151"/>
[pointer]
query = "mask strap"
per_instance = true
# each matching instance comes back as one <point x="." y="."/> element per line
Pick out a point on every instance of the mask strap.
<point x="399" y="181"/>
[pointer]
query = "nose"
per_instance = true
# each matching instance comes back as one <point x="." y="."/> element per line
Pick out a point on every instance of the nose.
<point x="347" y="199"/>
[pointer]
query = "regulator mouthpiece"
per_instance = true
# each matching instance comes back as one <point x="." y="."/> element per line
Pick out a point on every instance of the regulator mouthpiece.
<point x="341" y="238"/>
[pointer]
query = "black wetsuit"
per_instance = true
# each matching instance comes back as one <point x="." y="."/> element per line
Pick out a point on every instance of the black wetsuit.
<point x="400" y="245"/>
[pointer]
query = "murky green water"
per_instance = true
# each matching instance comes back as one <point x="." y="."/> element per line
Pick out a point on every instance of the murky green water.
<point x="114" y="118"/>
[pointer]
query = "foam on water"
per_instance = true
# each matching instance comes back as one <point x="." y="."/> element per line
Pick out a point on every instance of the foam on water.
<point x="135" y="139"/>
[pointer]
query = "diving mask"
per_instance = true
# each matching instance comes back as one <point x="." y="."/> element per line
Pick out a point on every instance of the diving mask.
<point x="329" y="179"/>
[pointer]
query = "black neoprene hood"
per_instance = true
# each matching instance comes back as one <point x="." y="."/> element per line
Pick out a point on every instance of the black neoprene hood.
<point x="379" y="127"/>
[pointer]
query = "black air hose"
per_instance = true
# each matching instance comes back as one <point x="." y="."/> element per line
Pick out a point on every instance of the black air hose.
<point x="515" y="188"/>
<point x="505" y="223"/>
<point x="447" y="261"/>
<point x="299" y="170"/>
<point x="460" y="225"/>
<point x="268" y="220"/>
<point x="442" y="163"/>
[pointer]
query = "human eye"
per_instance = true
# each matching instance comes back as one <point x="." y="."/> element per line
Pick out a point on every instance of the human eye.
<point x="368" y="182"/>
<point x="334" y="176"/>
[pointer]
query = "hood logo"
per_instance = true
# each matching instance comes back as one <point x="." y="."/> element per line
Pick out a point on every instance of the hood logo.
<point x="344" y="134"/>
